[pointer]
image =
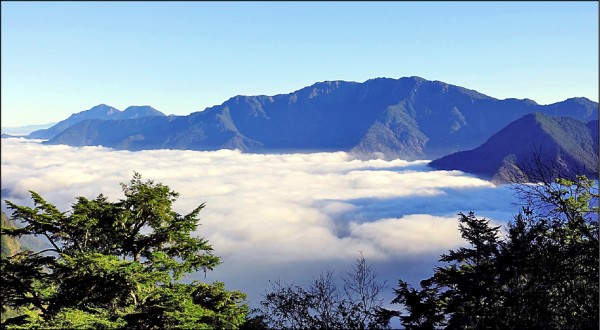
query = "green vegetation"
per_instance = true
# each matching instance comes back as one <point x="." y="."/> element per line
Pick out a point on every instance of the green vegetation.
<point x="119" y="265"/>
<point x="114" y="265"/>
<point x="542" y="275"/>
<point x="324" y="305"/>
<point x="10" y="245"/>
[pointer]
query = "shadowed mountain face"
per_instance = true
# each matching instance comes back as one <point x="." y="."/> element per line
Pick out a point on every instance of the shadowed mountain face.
<point x="405" y="118"/>
<point x="13" y="245"/>
<point x="567" y="145"/>
<point x="101" y="111"/>
<point x="10" y="245"/>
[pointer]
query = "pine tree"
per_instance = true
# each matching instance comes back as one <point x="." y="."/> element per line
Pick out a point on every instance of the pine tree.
<point x="111" y="265"/>
<point x="542" y="274"/>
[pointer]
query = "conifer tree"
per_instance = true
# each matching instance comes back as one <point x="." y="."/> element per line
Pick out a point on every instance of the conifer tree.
<point x="114" y="265"/>
<point x="542" y="274"/>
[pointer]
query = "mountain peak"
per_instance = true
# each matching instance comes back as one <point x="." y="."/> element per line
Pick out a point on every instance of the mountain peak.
<point x="564" y="144"/>
<point x="526" y="101"/>
<point x="135" y="107"/>
<point x="100" y="111"/>
<point x="417" y="78"/>
<point x="328" y="84"/>
<point x="408" y="118"/>
<point x="580" y="100"/>
<point x="136" y="111"/>
<point x="100" y="108"/>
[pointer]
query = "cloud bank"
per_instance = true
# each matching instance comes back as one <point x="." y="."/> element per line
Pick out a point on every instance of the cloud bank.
<point x="271" y="216"/>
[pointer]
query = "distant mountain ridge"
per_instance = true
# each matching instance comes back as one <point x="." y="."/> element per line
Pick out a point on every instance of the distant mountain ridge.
<point x="13" y="245"/>
<point x="25" y="130"/>
<point x="568" y="145"/>
<point x="102" y="112"/>
<point x="405" y="118"/>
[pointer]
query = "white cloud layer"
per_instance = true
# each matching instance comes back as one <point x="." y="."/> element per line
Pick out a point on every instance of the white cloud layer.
<point x="277" y="216"/>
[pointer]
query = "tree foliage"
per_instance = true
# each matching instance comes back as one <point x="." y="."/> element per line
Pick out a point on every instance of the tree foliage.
<point x="543" y="273"/>
<point x="115" y="265"/>
<point x="324" y="305"/>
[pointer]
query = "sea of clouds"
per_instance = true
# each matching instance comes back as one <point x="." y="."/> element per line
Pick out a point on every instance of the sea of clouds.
<point x="278" y="216"/>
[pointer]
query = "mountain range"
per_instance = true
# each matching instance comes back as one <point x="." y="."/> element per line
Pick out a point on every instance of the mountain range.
<point x="24" y="130"/>
<point x="408" y="118"/>
<point x="565" y="145"/>
<point x="100" y="112"/>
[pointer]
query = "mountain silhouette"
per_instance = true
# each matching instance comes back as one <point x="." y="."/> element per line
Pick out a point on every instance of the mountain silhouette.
<point x="408" y="118"/>
<point x="101" y="111"/>
<point x="566" y="145"/>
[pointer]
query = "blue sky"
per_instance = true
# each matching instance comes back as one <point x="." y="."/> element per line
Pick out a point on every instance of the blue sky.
<point x="60" y="58"/>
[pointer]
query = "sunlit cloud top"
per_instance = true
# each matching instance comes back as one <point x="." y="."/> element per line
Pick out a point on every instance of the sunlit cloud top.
<point x="268" y="210"/>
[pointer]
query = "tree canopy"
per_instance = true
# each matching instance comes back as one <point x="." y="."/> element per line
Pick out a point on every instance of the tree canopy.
<point x="115" y="265"/>
<point x="543" y="273"/>
<point x="324" y="305"/>
<point x="121" y="264"/>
